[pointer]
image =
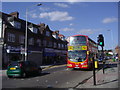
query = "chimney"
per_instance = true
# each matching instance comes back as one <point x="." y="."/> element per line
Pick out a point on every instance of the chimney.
<point x="41" y="24"/>
<point x="57" y="31"/>
<point x="15" y="14"/>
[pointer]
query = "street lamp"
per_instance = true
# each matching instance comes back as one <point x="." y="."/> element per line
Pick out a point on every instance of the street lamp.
<point x="26" y="32"/>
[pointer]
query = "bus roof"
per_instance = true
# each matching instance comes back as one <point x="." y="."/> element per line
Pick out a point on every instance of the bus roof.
<point x="92" y="40"/>
<point x="79" y="35"/>
<point x="85" y="36"/>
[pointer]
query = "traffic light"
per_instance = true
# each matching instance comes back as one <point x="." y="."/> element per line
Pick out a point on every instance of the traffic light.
<point x="100" y="40"/>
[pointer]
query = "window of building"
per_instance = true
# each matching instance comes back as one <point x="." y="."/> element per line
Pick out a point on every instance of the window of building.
<point x="65" y="46"/>
<point x="11" y="37"/>
<point x="55" y="36"/>
<point x="16" y="24"/>
<point x="31" y="41"/>
<point x="62" y="46"/>
<point x="21" y="39"/>
<point x="55" y="45"/>
<point x="44" y="42"/>
<point x="38" y="42"/>
<point x="49" y="44"/>
<point x="63" y="38"/>
<point x="59" y="45"/>
<point x="33" y="29"/>
<point x="47" y="33"/>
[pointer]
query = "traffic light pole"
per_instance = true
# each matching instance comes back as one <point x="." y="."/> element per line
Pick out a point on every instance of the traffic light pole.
<point x="94" y="76"/>
<point x="101" y="43"/>
<point x="103" y="59"/>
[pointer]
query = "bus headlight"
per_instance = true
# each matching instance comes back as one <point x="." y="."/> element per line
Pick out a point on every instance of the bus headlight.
<point x="82" y="63"/>
<point x="70" y="65"/>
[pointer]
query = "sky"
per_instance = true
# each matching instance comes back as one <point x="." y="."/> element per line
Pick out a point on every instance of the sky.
<point x="72" y="18"/>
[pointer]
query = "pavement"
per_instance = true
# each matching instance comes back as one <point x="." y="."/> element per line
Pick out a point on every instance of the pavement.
<point x="107" y="80"/>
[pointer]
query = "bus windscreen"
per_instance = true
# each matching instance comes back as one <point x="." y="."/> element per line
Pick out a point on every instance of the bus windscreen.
<point x="77" y="40"/>
<point x="77" y="56"/>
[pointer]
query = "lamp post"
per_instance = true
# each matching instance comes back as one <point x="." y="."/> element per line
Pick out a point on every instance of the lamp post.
<point x="26" y="33"/>
<point x="111" y="37"/>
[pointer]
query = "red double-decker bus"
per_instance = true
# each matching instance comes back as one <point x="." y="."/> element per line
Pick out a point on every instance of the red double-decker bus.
<point x="81" y="50"/>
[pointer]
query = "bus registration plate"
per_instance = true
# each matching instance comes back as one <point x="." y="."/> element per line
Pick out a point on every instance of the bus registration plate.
<point x="76" y="66"/>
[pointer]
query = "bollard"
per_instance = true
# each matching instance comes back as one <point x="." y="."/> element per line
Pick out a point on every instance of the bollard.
<point x="96" y="64"/>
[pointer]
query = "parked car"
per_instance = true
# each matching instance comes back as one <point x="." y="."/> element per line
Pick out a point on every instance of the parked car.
<point x="100" y="59"/>
<point x="106" y="57"/>
<point x="22" y="69"/>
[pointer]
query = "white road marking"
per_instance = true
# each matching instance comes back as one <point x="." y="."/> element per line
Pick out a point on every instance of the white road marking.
<point x="67" y="82"/>
<point x="56" y="82"/>
<point x="46" y="80"/>
<point x="22" y="79"/>
<point x="37" y="80"/>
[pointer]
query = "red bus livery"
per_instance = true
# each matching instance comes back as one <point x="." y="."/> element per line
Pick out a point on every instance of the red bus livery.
<point x="80" y="51"/>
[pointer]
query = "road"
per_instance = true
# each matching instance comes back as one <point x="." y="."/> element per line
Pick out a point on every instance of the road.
<point x="55" y="77"/>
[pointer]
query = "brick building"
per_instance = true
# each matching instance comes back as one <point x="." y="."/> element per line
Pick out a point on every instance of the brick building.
<point x="44" y="45"/>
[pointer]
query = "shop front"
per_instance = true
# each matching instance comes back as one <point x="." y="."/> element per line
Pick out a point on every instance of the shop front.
<point x="64" y="56"/>
<point x="11" y="53"/>
<point x="49" y="56"/>
<point x="15" y="53"/>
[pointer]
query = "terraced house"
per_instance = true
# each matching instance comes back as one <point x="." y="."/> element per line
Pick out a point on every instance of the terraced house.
<point x="44" y="45"/>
